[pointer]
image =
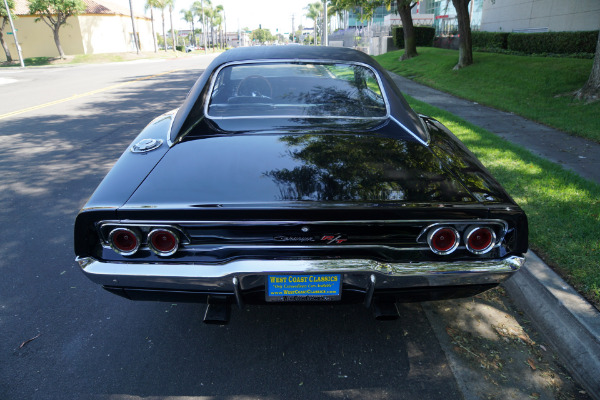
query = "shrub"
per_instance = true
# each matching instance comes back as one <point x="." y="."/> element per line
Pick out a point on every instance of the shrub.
<point x="180" y="48"/>
<point x="423" y="36"/>
<point x="553" y="42"/>
<point x="489" y="40"/>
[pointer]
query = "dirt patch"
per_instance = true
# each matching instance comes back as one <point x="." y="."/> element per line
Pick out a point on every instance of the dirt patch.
<point x="495" y="353"/>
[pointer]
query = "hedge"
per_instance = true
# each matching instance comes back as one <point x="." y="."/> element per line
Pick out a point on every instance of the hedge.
<point x="423" y="36"/>
<point x="553" y="42"/>
<point x="489" y="40"/>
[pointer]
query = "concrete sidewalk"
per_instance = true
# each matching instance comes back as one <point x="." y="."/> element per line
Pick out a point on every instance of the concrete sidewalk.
<point x="559" y="313"/>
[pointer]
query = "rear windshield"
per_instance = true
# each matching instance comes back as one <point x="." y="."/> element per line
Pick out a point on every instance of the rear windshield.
<point x="296" y="90"/>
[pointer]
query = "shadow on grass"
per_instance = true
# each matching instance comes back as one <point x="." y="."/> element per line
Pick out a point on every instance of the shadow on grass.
<point x="29" y="62"/>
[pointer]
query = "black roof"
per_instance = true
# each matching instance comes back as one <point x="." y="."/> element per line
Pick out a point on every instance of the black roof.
<point x="191" y="111"/>
<point x="291" y="52"/>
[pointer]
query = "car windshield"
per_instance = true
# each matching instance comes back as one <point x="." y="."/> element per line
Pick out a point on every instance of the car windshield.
<point x="296" y="90"/>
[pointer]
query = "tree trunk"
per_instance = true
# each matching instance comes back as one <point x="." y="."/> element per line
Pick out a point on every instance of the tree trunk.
<point x="4" y="45"/>
<point x="135" y="39"/>
<point x="61" y="53"/>
<point x="163" y="26"/>
<point x="591" y="90"/>
<point x="410" y="44"/>
<point x="193" y="41"/>
<point x="172" y="29"/>
<point x="465" y="49"/>
<point x="153" y="32"/>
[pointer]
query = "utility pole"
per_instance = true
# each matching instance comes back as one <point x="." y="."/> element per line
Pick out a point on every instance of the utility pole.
<point x="14" y="31"/>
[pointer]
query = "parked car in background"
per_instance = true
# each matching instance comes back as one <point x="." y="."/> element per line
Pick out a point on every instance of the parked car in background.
<point x="298" y="174"/>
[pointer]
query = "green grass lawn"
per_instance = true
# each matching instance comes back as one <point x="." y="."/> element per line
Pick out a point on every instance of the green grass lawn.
<point x="563" y="209"/>
<point x="534" y="87"/>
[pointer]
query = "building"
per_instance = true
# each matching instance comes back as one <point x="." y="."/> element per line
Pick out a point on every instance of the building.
<point x="540" y="15"/>
<point x="238" y="39"/>
<point x="103" y="27"/>
<point x="492" y="16"/>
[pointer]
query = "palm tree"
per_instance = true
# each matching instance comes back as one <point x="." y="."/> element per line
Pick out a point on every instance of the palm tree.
<point x="171" y="4"/>
<point x="188" y="16"/>
<point x="151" y="4"/>
<point x="201" y="12"/>
<point x="314" y="11"/>
<point x="218" y="22"/>
<point x="135" y="38"/>
<point x="162" y="4"/>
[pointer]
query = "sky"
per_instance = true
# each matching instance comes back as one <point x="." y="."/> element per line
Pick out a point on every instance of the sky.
<point x="275" y="15"/>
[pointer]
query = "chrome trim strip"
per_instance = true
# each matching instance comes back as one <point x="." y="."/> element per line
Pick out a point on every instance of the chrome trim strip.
<point x="401" y="125"/>
<point x="297" y="61"/>
<point x="250" y="246"/>
<point x="430" y="222"/>
<point x="198" y="277"/>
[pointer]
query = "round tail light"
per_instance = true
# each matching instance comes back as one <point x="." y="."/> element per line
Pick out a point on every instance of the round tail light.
<point x="163" y="242"/>
<point x="480" y="240"/>
<point x="124" y="241"/>
<point x="443" y="240"/>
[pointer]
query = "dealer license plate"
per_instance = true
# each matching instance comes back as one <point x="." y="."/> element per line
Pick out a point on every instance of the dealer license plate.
<point x="321" y="287"/>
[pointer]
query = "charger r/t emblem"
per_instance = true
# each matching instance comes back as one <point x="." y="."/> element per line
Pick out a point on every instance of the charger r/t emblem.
<point x="334" y="239"/>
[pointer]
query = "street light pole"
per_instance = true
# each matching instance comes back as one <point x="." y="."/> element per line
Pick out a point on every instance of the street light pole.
<point x="12" y="26"/>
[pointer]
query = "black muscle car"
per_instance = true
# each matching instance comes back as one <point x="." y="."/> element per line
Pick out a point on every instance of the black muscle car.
<point x="298" y="174"/>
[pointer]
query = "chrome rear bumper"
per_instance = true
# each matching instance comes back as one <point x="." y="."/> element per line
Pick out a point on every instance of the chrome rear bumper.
<point x="251" y="274"/>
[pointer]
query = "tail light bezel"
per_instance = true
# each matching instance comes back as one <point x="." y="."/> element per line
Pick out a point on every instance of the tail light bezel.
<point x="133" y="232"/>
<point x="153" y="247"/>
<point x="449" y="250"/>
<point x="485" y="249"/>
<point x="498" y="227"/>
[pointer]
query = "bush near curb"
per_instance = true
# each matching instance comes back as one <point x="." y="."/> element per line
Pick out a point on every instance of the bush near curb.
<point x="553" y="42"/>
<point x="489" y="40"/>
<point x="579" y="44"/>
<point x="423" y="36"/>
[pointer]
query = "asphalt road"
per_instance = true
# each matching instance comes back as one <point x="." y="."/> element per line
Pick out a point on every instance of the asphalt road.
<point x="63" y="337"/>
<point x="91" y="344"/>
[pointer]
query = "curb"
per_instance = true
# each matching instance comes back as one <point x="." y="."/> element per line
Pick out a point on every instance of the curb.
<point x="562" y="317"/>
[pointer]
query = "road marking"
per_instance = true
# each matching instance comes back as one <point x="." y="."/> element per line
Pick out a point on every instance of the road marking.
<point x="78" y="96"/>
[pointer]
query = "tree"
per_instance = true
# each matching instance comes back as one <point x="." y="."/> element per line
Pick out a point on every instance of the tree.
<point x="408" y="30"/>
<point x="135" y="38"/>
<point x="161" y="4"/>
<point x="4" y="15"/>
<point x="218" y="22"/>
<point x="200" y="12"/>
<point x="151" y="4"/>
<point x="465" y="48"/>
<point x="171" y="4"/>
<point x="591" y="90"/>
<point x="261" y="35"/>
<point x="188" y="16"/>
<point x="314" y="11"/>
<point x="54" y="13"/>
<point x="367" y="8"/>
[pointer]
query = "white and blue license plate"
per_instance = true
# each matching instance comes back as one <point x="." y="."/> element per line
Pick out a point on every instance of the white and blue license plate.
<point x="318" y="287"/>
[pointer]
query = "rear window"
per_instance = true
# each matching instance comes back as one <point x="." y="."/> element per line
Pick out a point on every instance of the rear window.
<point x="296" y="90"/>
